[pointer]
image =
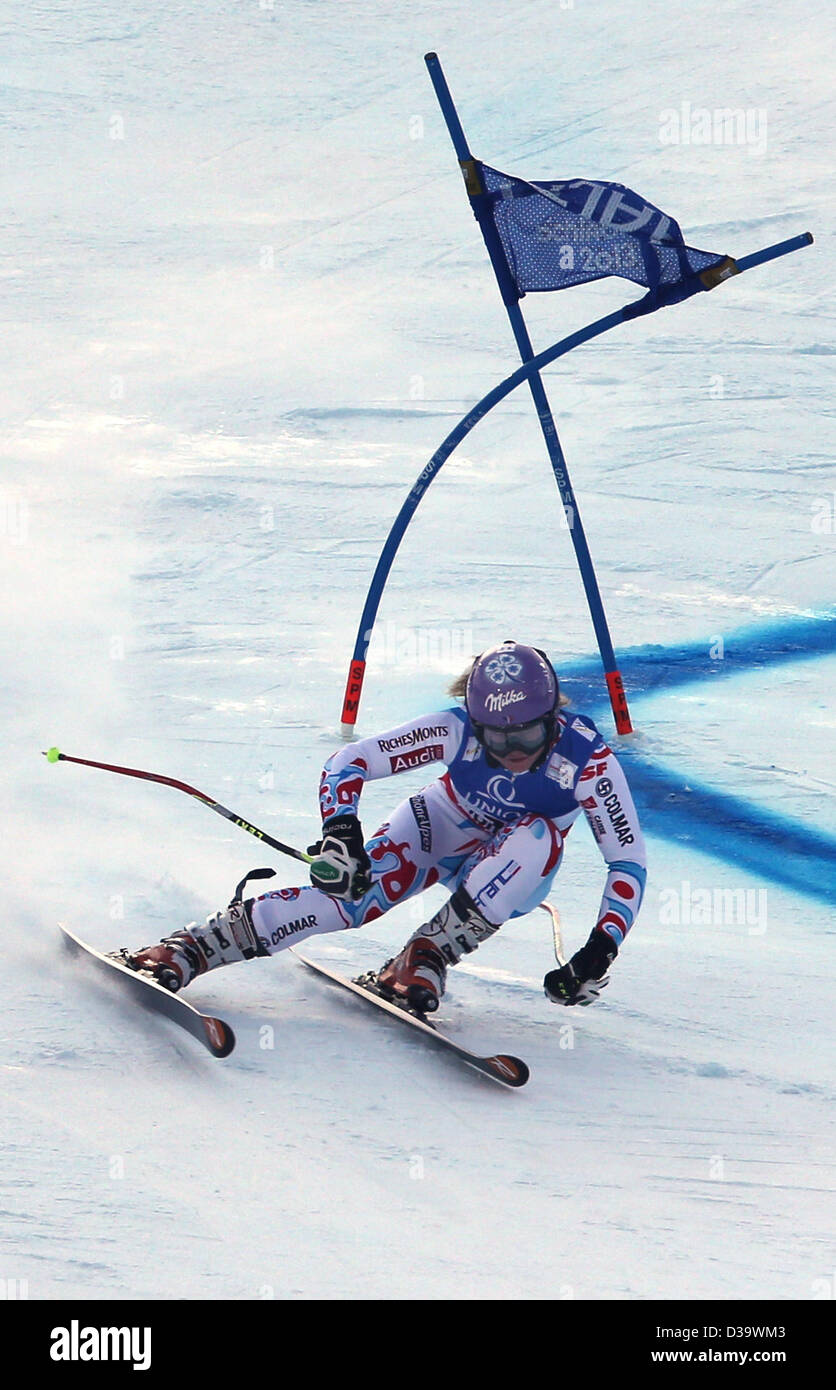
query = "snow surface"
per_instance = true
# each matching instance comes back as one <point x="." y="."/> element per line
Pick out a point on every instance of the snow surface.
<point x="245" y="300"/>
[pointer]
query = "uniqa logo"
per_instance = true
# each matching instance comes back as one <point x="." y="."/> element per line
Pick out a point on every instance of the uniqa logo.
<point x="501" y="788"/>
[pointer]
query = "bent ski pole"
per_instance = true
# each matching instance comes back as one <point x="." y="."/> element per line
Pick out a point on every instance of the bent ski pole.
<point x="557" y="933"/>
<point x="52" y="755"/>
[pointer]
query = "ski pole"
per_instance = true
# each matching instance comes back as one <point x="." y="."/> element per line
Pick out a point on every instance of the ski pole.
<point x="52" y="755"/>
<point x="557" y="932"/>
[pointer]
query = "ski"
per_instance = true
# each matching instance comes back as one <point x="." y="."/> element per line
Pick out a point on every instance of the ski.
<point x="215" y="1035"/>
<point x="510" y="1071"/>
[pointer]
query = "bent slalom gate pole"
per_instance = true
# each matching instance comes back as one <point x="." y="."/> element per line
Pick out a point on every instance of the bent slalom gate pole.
<point x="52" y="755"/>
<point x="510" y="297"/>
<point x="635" y="309"/>
<point x="357" y="667"/>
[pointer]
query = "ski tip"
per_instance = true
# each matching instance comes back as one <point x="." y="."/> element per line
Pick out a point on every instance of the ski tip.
<point x="512" y="1070"/>
<point x="219" y="1036"/>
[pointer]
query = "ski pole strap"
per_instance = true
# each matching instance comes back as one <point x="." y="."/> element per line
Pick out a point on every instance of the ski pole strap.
<point x="238" y="895"/>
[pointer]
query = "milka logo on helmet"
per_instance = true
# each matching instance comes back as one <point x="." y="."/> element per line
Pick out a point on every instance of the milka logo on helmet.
<point x="503" y="669"/>
<point x="494" y="703"/>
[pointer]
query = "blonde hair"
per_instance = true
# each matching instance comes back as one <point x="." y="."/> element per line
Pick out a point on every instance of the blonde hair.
<point x="458" y="687"/>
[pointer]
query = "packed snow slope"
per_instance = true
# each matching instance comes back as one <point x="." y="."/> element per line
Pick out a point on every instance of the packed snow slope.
<point x="245" y="300"/>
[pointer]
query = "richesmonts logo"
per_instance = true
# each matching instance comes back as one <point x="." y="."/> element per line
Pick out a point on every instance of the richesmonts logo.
<point x="81" y="1343"/>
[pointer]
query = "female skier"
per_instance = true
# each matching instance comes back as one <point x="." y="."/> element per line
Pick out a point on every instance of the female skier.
<point x="520" y="768"/>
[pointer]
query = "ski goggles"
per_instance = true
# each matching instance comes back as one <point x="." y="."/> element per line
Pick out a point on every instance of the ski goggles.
<point x="519" y="738"/>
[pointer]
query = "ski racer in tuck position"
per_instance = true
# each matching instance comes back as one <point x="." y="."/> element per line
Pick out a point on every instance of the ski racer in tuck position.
<point x="520" y="769"/>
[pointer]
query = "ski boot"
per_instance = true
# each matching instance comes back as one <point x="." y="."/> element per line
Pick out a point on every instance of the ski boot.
<point x="174" y="963"/>
<point x="225" y="938"/>
<point x="417" y="976"/>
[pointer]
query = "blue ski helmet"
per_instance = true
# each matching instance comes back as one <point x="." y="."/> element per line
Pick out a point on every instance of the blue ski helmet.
<point x="511" y="685"/>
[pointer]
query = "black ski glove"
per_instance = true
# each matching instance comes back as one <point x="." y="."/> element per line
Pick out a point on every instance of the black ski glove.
<point x="581" y="980"/>
<point x="341" y="867"/>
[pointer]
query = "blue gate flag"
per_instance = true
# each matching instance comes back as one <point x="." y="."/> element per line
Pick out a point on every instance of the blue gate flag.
<point x="569" y="231"/>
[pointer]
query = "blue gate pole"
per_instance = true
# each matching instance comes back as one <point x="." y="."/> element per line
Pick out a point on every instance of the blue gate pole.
<point x="357" y="666"/>
<point x="615" y="686"/>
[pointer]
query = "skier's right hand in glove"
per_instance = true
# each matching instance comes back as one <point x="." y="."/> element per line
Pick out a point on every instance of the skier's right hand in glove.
<point x="341" y="867"/>
<point x="563" y="987"/>
<point x="581" y="980"/>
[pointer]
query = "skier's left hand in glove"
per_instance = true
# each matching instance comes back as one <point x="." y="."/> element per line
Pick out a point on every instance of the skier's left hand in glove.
<point x="581" y="980"/>
<point x="341" y="867"/>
